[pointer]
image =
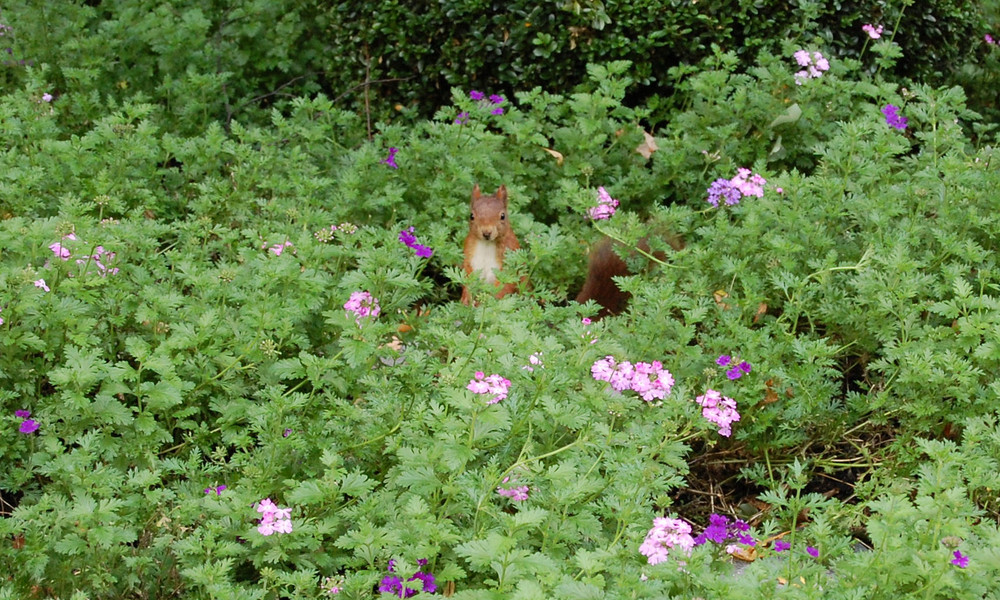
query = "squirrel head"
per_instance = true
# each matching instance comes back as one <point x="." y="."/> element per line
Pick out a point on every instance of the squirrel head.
<point x="488" y="214"/>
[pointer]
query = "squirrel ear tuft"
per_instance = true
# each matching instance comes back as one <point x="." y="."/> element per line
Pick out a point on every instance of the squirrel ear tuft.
<point x="502" y="193"/>
<point x="476" y="193"/>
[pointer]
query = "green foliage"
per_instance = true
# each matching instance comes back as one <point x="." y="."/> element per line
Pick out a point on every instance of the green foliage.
<point x="196" y="336"/>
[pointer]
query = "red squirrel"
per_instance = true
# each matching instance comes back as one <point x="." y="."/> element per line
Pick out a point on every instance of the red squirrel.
<point x="603" y="264"/>
<point x="490" y="237"/>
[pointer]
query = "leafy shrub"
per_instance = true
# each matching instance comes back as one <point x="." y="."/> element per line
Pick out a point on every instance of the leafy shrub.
<point x="176" y="349"/>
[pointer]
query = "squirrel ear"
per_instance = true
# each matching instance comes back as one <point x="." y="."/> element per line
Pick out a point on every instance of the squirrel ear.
<point x="476" y="193"/>
<point x="502" y="193"/>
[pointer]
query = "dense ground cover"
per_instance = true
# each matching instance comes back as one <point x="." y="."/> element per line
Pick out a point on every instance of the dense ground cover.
<point x="200" y="398"/>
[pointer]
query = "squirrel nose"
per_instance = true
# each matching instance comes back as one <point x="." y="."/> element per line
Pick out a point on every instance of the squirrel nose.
<point x="487" y="235"/>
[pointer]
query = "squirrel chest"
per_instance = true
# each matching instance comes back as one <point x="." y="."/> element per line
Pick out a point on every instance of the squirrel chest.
<point x="485" y="260"/>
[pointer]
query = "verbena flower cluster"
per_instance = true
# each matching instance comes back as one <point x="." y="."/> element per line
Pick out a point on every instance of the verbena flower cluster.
<point x="990" y="40"/>
<point x="719" y="409"/>
<point x="730" y="191"/>
<point x="893" y="118"/>
<point x="535" y="360"/>
<point x="393" y="584"/>
<point x="650" y="380"/>
<point x="737" y="370"/>
<point x="872" y="31"/>
<point x="814" y="65"/>
<point x="273" y="519"/>
<point x="408" y="238"/>
<point x="492" y="104"/>
<point x="362" y="304"/>
<point x="721" y="531"/>
<point x="605" y="208"/>
<point x="277" y="249"/>
<point x="391" y="159"/>
<point x="516" y="493"/>
<point x="666" y="535"/>
<point x="101" y="258"/>
<point x="493" y="385"/>
<point x="27" y="425"/>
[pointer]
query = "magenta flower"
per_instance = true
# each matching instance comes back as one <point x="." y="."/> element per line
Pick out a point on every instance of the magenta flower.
<point x="22" y="414"/>
<point x="961" y="561"/>
<point x="362" y="304"/>
<point x="605" y="208"/>
<point x="650" y="380"/>
<point x="393" y="584"/>
<point x="463" y="118"/>
<point x="28" y="426"/>
<point x="41" y="284"/>
<point x="813" y="552"/>
<point x="476" y="95"/>
<point x="666" y="535"/>
<point x="407" y="237"/>
<point x="217" y="489"/>
<point x="46" y="97"/>
<point x="873" y="32"/>
<point x="497" y="111"/>
<point x="495" y="99"/>
<point x="781" y="545"/>
<point x="723" y="360"/>
<point x="989" y="40"/>
<point x="391" y="159"/>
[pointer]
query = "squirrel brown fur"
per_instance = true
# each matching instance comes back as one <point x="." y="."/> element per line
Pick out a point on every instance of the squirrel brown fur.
<point x="604" y="264"/>
<point x="490" y="237"/>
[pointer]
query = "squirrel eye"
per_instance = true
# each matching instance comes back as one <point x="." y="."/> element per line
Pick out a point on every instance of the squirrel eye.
<point x="472" y="216"/>
<point x="503" y="216"/>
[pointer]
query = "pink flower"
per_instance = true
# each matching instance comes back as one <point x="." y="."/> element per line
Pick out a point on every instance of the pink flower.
<point x="273" y="519"/>
<point x="60" y="251"/>
<point x="493" y="385"/>
<point x="802" y="57"/>
<point x="28" y="426"/>
<point x="720" y="410"/>
<point x="873" y="32"/>
<point x="362" y="304"/>
<point x="605" y="208"/>
<point x="535" y="360"/>
<point x="603" y="369"/>
<point x="666" y="535"/>
<point x="41" y="284"/>
<point x="517" y="494"/>
<point x="277" y="249"/>
<point x="46" y="97"/>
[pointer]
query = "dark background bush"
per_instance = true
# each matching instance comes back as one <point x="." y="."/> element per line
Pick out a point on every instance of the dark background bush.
<point x="228" y="58"/>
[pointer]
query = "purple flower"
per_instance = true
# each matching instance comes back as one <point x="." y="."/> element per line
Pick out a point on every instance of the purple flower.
<point x="427" y="579"/>
<point x="723" y="360"/>
<point x="893" y="118"/>
<point x="410" y="240"/>
<point x="989" y="39"/>
<point x="391" y="159"/>
<point x="22" y="414"/>
<point x="46" y="97"/>
<point x="28" y="426"/>
<point x="392" y="585"/>
<point x="495" y="99"/>
<point x="497" y="111"/>
<point x="217" y="489"/>
<point x="744" y="366"/>
<point x="781" y="545"/>
<point x="463" y="118"/>
<point x="813" y="552"/>
<point x="476" y="95"/>
<point x="286" y="433"/>
<point x="723" y="189"/>
<point x="961" y="561"/>
<point x="41" y="284"/>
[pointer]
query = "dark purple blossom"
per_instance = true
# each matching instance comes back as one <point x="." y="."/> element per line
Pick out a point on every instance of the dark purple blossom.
<point x="781" y="545"/>
<point x="463" y="118"/>
<point x="961" y="561"/>
<point x="893" y="118"/>
<point x="813" y="552"/>
<point x="408" y="238"/>
<point x="22" y="414"/>
<point x="391" y="159"/>
<point x="28" y="426"/>
<point x="476" y="95"/>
